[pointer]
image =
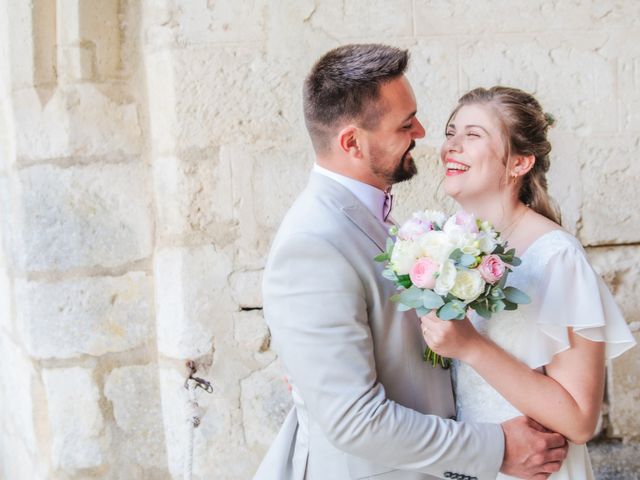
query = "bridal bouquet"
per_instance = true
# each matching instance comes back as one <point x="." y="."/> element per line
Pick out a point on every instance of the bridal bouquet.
<point x="450" y="264"/>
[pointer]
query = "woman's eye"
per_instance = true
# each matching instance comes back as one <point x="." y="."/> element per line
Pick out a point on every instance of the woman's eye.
<point x="472" y="134"/>
<point x="448" y="134"/>
<point x="406" y="127"/>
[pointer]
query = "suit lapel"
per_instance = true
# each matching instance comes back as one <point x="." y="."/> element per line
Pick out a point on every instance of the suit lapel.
<point x="352" y="208"/>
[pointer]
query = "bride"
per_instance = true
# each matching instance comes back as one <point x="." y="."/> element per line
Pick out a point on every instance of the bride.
<point x="545" y="360"/>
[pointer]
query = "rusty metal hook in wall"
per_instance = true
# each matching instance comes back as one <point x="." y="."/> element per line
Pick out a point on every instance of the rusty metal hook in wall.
<point x="199" y="382"/>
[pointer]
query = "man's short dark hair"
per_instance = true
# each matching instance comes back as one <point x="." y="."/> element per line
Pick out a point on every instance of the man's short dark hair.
<point x="344" y="84"/>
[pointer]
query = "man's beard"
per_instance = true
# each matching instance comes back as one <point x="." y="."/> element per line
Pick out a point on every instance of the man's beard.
<point x="404" y="170"/>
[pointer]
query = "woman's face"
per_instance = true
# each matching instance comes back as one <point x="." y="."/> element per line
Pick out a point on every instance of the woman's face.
<point x="473" y="155"/>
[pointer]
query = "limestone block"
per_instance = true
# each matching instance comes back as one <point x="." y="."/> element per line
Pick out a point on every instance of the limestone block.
<point x="193" y="195"/>
<point x="266" y="181"/>
<point x="247" y="288"/>
<point x="265" y="404"/>
<point x="620" y="269"/>
<point x="195" y="101"/>
<point x="84" y="216"/>
<point x="624" y="396"/>
<point x="201" y="21"/>
<point x="75" y="417"/>
<point x="375" y="18"/>
<point x="554" y="71"/>
<point x="78" y="120"/>
<point x="431" y="73"/>
<point x="93" y="316"/>
<point x="251" y="331"/>
<point x="609" y="181"/>
<point x="629" y="74"/>
<point x="443" y="17"/>
<point x="134" y="393"/>
<point x="17" y="378"/>
<point x="192" y="299"/>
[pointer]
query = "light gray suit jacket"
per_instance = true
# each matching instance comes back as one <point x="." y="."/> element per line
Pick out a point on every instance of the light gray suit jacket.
<point x="365" y="404"/>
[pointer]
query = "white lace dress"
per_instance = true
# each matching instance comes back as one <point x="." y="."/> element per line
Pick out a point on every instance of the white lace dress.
<point x="565" y="292"/>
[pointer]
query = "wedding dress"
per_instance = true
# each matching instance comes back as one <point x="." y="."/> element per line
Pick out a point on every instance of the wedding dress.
<point x="565" y="292"/>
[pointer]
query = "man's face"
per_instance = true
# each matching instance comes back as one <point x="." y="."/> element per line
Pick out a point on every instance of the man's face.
<point x="387" y="146"/>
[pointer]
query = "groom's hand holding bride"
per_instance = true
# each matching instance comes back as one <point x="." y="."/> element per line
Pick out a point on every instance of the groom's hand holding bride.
<point x="531" y="451"/>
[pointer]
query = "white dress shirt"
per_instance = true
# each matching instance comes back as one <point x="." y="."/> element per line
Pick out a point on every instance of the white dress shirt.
<point x="373" y="198"/>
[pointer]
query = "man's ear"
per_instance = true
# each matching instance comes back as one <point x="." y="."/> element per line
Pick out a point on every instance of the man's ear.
<point x="349" y="142"/>
<point x="521" y="164"/>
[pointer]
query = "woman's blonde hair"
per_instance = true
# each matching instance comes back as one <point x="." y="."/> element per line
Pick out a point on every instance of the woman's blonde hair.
<point x="524" y="128"/>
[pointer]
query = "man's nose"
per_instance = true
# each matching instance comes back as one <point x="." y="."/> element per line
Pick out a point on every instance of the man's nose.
<point x="419" y="130"/>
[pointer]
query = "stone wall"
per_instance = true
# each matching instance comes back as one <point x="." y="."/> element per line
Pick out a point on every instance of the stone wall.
<point x="148" y="151"/>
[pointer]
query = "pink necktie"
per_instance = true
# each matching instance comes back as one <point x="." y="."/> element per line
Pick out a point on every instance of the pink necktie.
<point x="386" y="208"/>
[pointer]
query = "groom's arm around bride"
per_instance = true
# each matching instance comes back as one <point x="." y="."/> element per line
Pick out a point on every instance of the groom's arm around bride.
<point x="364" y="403"/>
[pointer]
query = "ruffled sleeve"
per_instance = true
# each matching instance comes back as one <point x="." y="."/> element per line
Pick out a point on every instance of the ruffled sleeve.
<point x="572" y="294"/>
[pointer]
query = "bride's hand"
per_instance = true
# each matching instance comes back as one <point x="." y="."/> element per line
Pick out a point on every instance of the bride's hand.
<point x="449" y="338"/>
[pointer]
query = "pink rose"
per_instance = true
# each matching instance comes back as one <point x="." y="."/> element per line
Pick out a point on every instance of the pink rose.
<point x="467" y="221"/>
<point x="423" y="272"/>
<point x="491" y="268"/>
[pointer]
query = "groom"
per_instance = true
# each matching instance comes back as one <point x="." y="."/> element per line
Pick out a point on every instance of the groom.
<point x="365" y="404"/>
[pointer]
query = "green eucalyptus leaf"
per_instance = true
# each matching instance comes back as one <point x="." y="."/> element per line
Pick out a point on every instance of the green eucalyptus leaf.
<point x="456" y="255"/>
<point x="403" y="307"/>
<point x="389" y="245"/>
<point x="431" y="299"/>
<point x="482" y="310"/>
<point x="383" y="257"/>
<point x="515" y="295"/>
<point x="390" y="275"/>
<point x="453" y="310"/>
<point x="509" y="305"/>
<point x="422" y="311"/>
<point x="496" y="293"/>
<point x="412" y="297"/>
<point x="467" y="260"/>
<point x="498" y="250"/>
<point x="496" y="306"/>
<point x="515" y="261"/>
<point x="395" y="297"/>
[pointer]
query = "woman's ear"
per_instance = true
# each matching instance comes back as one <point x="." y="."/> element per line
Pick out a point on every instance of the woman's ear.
<point x="348" y="141"/>
<point x="521" y="165"/>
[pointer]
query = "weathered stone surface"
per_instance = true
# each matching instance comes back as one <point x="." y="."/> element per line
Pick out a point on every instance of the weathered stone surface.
<point x="251" y="331"/>
<point x="265" y="403"/>
<point x="614" y="460"/>
<point x="134" y="393"/>
<point x="443" y="17"/>
<point x="83" y="216"/>
<point x="624" y="397"/>
<point x="530" y="64"/>
<point x="78" y="120"/>
<point x="266" y="181"/>
<point x="193" y="195"/>
<point x="195" y="102"/>
<point x="91" y="316"/>
<point x="192" y="299"/>
<point x="76" y="420"/>
<point x="246" y="287"/>
<point x="609" y="212"/>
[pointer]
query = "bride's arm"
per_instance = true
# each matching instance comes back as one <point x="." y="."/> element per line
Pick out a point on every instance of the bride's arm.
<point x="566" y="400"/>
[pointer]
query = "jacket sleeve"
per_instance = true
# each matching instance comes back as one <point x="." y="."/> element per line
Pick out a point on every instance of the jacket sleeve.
<point x="314" y="304"/>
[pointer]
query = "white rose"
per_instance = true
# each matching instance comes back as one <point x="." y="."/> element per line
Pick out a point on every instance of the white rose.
<point x="487" y="243"/>
<point x="404" y="255"/>
<point x="468" y="285"/>
<point x="446" y="278"/>
<point x="436" y="245"/>
<point x="434" y="216"/>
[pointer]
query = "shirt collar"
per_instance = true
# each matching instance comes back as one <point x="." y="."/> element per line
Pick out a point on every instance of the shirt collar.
<point x="373" y="198"/>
